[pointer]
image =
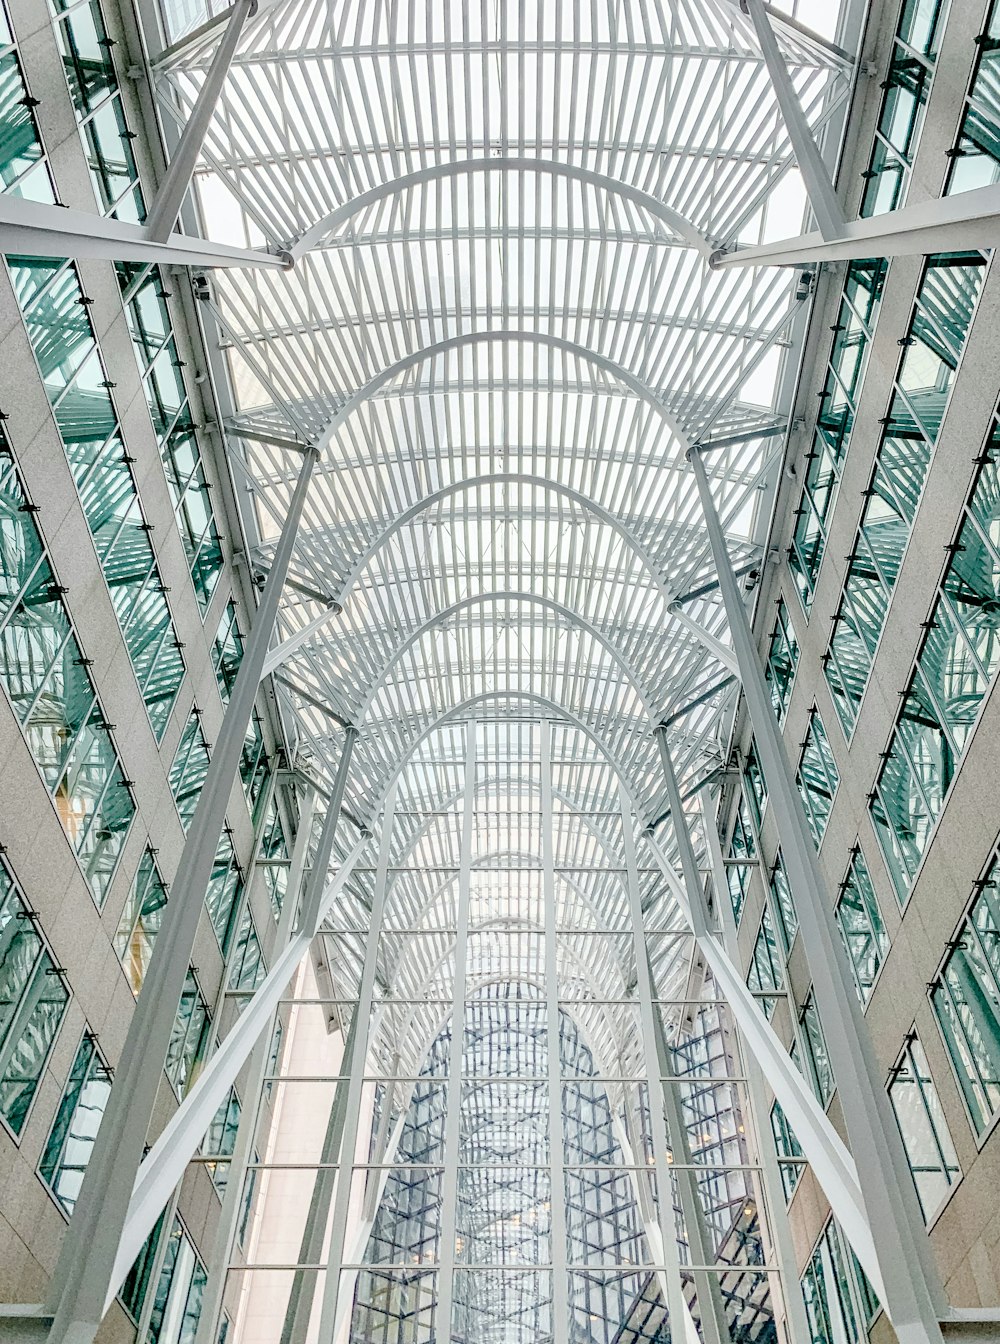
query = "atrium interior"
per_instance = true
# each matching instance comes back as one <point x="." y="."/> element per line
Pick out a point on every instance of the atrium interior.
<point x="499" y="620"/>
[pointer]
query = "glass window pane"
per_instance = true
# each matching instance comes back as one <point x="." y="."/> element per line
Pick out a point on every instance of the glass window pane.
<point x="77" y="1120"/>
<point x="860" y="922"/>
<point x="929" y="1149"/>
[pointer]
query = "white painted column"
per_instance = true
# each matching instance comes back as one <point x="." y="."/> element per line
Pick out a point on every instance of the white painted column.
<point x="163" y="1167"/>
<point x="331" y="1305"/>
<point x="174" y="187"/>
<point x="557" y="1162"/>
<point x="701" y="1249"/>
<point x="815" y="174"/>
<point x="84" y="1275"/>
<point x="912" y="1293"/>
<point x="775" y="1205"/>
<point x="220" y="1256"/>
<point x="677" y="1307"/>
<point x="453" y="1114"/>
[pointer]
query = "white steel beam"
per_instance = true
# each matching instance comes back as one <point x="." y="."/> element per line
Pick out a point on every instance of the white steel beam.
<point x="832" y="1164"/>
<point x="433" y="172"/>
<point x="453" y="1112"/>
<point x="774" y="1202"/>
<point x="218" y="1259"/>
<point x="171" y="192"/>
<point x="39" y="230"/>
<point x="912" y="1296"/>
<point x="287" y="647"/>
<point x="559" y="1249"/>
<point x="332" y="1307"/>
<point x="970" y="220"/>
<point x="701" y="1249"/>
<point x="815" y="174"/>
<point x="164" y="1165"/>
<point x="677" y="1307"/>
<point x="85" y="1271"/>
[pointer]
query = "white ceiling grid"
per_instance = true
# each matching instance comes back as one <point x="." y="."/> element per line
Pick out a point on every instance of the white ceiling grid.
<point x="501" y="308"/>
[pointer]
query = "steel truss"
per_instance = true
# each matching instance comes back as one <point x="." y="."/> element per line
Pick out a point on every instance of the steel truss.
<point x="461" y="388"/>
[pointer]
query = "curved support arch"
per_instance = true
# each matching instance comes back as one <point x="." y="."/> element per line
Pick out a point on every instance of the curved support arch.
<point x="585" y="502"/>
<point x="714" y="646"/>
<point x="471" y="338"/>
<point x="507" y="336"/>
<point x="455" y="712"/>
<point x="439" y="618"/>
<point x="675" y="222"/>
<point x="560" y="877"/>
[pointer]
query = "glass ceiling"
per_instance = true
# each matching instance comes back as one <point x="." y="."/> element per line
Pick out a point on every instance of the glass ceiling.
<point x="502" y="327"/>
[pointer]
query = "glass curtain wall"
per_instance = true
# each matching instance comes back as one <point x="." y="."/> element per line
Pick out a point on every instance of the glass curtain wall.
<point x="510" y="1176"/>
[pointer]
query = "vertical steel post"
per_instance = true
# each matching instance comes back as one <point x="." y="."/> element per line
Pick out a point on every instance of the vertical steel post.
<point x="700" y="1244"/>
<point x="177" y="179"/>
<point x="557" y="1152"/>
<point x="217" y="1262"/>
<point x="164" y="1165"/>
<point x="83" y="1276"/>
<point x="796" y="1324"/>
<point x="913" y="1296"/>
<point x="677" y="1306"/>
<point x="815" y="174"/>
<point x="453" y="1113"/>
<point x="329" y="1312"/>
<point x="303" y="1290"/>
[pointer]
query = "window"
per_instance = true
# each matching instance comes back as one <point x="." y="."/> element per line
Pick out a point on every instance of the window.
<point x="929" y="1149"/>
<point x="74" y="1130"/>
<point x="840" y="1302"/>
<point x="227" y="655"/>
<point x="189" y="1037"/>
<point x="785" y="919"/>
<point x="189" y="768"/>
<point x="907" y="87"/>
<point x="48" y="684"/>
<point x="976" y="156"/>
<point x="249" y="1190"/>
<point x="860" y="922"/>
<point x="33" y="999"/>
<point x="782" y="660"/>
<point x="220" y="1141"/>
<point x="179" y="1290"/>
<point x="743" y="853"/>
<point x="93" y="85"/>
<point x="227" y="652"/>
<point x="254" y="763"/>
<point x="247" y="969"/>
<point x="817" y="777"/>
<point x="55" y="312"/>
<point x="790" y="1159"/>
<point x="754" y="788"/>
<point x="23" y="170"/>
<point x="966" y="1002"/>
<point x="273" y="857"/>
<point x="817" y="1060"/>
<point x="859" y="307"/>
<point x="274" y="1058"/>
<point x="934" y="343"/>
<point x="137" y="1282"/>
<point x="140" y="920"/>
<point x="145" y="292"/>
<point x="765" y="978"/>
<point x="954" y="670"/>
<point x="224" y="888"/>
